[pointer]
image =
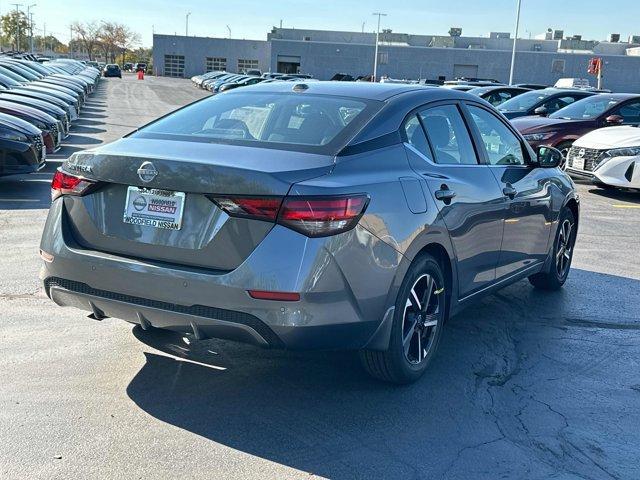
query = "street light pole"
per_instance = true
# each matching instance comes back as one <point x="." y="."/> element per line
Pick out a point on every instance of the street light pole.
<point x="375" y="59"/>
<point x="515" y="41"/>
<point x="186" y="30"/>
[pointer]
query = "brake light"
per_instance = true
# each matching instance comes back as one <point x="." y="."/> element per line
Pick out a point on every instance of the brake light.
<point x="322" y="216"/>
<point x="311" y="216"/>
<point x="65" y="184"/>
<point x="259" y="208"/>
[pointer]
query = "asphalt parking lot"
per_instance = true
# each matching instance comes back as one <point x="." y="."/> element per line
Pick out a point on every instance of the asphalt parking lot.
<point x="525" y="384"/>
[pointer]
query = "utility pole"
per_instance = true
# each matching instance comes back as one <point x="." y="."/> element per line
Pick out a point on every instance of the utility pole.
<point x="70" y="41"/>
<point x="515" y="41"/>
<point x="30" y="22"/>
<point x="375" y="59"/>
<point x="186" y="29"/>
<point x="18" y="5"/>
<point x="229" y="28"/>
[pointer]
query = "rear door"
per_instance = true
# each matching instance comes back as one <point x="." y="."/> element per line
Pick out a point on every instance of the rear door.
<point x="527" y="190"/>
<point x="466" y="193"/>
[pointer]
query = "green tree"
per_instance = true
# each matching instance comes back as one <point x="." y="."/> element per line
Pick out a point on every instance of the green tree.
<point x="15" y="29"/>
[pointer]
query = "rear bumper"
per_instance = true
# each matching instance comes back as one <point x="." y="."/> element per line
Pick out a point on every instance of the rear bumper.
<point x="343" y="284"/>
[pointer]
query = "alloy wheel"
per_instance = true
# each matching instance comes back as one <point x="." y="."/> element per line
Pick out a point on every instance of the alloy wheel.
<point x="564" y="248"/>
<point x="422" y="316"/>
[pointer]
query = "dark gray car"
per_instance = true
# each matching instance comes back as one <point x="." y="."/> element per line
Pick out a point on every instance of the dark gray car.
<point x="311" y="216"/>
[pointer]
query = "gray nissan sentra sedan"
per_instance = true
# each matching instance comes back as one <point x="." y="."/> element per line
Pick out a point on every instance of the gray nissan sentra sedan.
<point x="320" y="215"/>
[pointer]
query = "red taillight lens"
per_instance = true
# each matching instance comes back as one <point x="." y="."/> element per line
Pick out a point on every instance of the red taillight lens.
<point x="65" y="184"/>
<point x="311" y="216"/>
<point x="260" y="208"/>
<point x="322" y="216"/>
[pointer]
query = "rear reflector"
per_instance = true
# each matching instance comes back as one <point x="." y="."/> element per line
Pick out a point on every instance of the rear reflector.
<point x="65" y="184"/>
<point x="279" y="296"/>
<point x="312" y="216"/>
<point x="47" y="257"/>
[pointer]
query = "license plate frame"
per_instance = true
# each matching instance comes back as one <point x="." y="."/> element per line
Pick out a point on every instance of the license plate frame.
<point x="167" y="212"/>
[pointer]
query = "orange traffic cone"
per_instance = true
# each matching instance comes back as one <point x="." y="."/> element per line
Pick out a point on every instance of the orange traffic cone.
<point x="140" y="74"/>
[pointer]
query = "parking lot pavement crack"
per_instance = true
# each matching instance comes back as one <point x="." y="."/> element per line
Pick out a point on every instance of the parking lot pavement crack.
<point x="17" y="296"/>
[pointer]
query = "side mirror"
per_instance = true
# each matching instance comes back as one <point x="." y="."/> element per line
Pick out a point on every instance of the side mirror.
<point x="542" y="111"/>
<point x="549" y="157"/>
<point x="614" y="120"/>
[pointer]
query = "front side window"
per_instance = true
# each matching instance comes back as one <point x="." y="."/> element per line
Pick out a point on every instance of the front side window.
<point x="503" y="147"/>
<point x="524" y="102"/>
<point x="261" y="119"/>
<point x="448" y="135"/>
<point x="630" y="112"/>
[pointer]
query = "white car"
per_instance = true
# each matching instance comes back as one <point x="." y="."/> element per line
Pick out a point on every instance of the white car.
<point x="609" y="156"/>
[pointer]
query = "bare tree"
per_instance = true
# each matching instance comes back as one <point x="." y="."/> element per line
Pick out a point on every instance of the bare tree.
<point x="115" y="39"/>
<point x="89" y="35"/>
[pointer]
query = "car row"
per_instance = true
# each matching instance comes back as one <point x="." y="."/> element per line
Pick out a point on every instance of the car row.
<point x="38" y="102"/>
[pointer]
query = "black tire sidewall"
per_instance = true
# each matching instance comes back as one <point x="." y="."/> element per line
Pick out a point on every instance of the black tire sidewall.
<point x="566" y="215"/>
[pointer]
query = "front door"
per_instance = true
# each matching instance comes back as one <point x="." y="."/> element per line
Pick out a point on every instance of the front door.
<point x="465" y="192"/>
<point x="527" y="189"/>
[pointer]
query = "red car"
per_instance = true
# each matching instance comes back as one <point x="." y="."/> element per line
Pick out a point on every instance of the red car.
<point x="562" y="128"/>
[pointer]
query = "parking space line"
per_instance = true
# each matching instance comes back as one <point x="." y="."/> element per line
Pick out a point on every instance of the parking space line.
<point x="624" y="206"/>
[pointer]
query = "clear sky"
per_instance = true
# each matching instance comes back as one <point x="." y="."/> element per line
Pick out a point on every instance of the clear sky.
<point x="252" y="19"/>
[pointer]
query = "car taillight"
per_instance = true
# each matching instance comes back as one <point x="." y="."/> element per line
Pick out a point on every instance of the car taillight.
<point x="65" y="184"/>
<point x="312" y="216"/>
<point x="322" y="216"/>
<point x="259" y="208"/>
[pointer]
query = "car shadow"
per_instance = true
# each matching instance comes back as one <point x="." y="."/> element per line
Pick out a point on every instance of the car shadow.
<point x="85" y="115"/>
<point x="25" y="192"/>
<point x="523" y="380"/>
<point x="85" y="129"/>
<point x="617" y="194"/>
<point x="87" y="122"/>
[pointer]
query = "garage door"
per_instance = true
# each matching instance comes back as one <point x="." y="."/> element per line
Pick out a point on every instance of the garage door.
<point x="466" y="71"/>
<point x="174" y="65"/>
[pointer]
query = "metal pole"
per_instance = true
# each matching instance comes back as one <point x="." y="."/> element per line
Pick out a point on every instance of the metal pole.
<point x="515" y="41"/>
<point x="17" y="25"/>
<point x="186" y="30"/>
<point x="375" y="59"/>
<point x="30" y="24"/>
<point x="600" y="65"/>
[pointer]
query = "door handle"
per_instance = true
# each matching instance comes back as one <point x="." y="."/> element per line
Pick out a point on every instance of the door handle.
<point x="509" y="191"/>
<point x="445" y="194"/>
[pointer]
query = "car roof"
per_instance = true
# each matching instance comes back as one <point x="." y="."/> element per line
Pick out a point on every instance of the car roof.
<point x="364" y="90"/>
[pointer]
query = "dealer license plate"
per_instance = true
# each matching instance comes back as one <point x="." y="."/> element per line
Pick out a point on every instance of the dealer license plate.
<point x="578" y="163"/>
<point x="152" y="207"/>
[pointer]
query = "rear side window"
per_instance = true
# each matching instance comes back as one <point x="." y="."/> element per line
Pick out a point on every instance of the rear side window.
<point x="266" y="119"/>
<point x="448" y="135"/>
<point x="415" y="135"/>
<point x="502" y="146"/>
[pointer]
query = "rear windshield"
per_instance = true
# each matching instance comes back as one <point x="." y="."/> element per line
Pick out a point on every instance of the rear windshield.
<point x="290" y="121"/>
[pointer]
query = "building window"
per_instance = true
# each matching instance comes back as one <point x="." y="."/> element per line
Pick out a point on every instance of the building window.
<point x="557" y="66"/>
<point x="244" y="65"/>
<point x="174" y="65"/>
<point x="307" y="39"/>
<point x="215" y="64"/>
<point x="383" y="58"/>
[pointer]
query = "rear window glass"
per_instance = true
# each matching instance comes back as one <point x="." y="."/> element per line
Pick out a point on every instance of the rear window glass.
<point x="266" y="119"/>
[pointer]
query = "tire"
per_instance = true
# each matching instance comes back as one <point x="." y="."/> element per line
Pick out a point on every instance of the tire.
<point x="418" y="319"/>
<point x="562" y="255"/>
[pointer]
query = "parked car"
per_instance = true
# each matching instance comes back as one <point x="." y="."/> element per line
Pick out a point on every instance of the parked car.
<point x="50" y="127"/>
<point x="141" y="67"/>
<point x="609" y="157"/>
<point x="198" y="80"/>
<point x="573" y="83"/>
<point x="242" y="83"/>
<point x="541" y="102"/>
<point x="532" y="86"/>
<point x="72" y="112"/>
<point x="311" y="215"/>
<point x="46" y="107"/>
<point x="112" y="70"/>
<point x="127" y="67"/>
<point x="565" y="126"/>
<point x="21" y="146"/>
<point x="497" y="95"/>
